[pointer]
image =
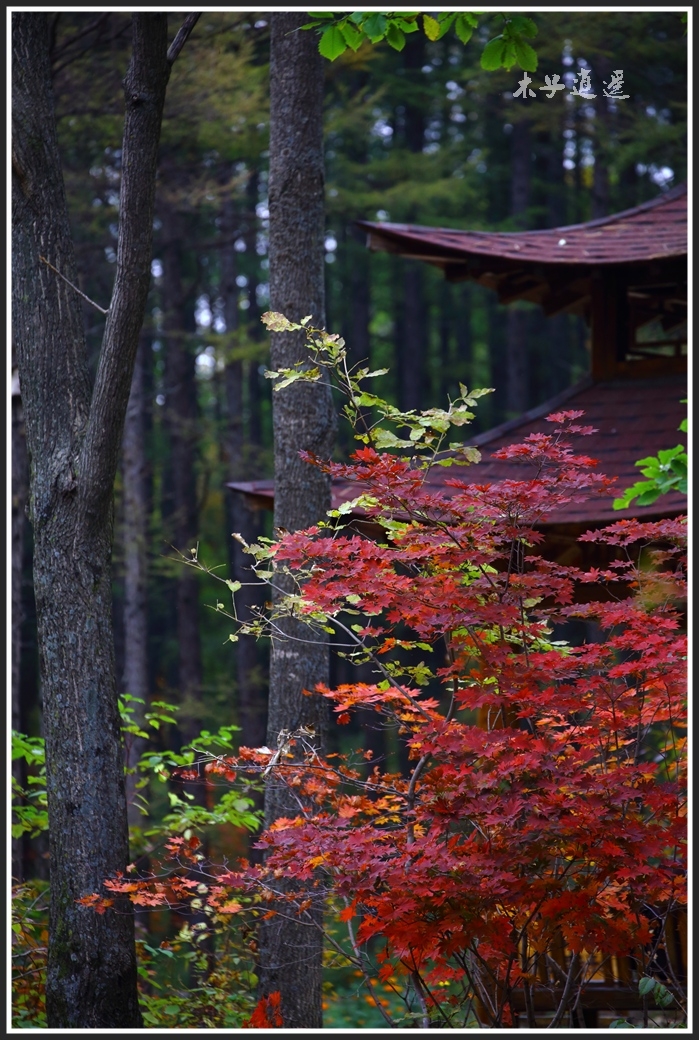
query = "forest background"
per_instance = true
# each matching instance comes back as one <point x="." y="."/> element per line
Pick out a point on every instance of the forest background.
<point x="420" y="136"/>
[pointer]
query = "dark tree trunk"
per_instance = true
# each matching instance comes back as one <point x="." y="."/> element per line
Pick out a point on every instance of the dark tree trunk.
<point x="412" y="346"/>
<point x="255" y="329"/>
<point x="291" y="952"/>
<point x="602" y="69"/>
<point x="181" y="416"/>
<point x="135" y="535"/>
<point x="358" y="339"/>
<point x="517" y="346"/>
<point x="20" y="494"/>
<point x="241" y="519"/>
<point x="74" y="438"/>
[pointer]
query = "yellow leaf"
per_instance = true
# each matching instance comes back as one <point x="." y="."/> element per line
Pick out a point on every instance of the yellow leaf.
<point x="431" y="27"/>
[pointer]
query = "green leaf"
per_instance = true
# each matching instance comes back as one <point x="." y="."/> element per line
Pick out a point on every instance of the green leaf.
<point x="406" y="25"/>
<point x="464" y="28"/>
<point x="332" y="43"/>
<point x="395" y="38"/>
<point x="375" y="27"/>
<point x="645" y="986"/>
<point x="509" y="54"/>
<point x="526" y="55"/>
<point x="522" y="26"/>
<point x="491" y="58"/>
<point x="321" y="14"/>
<point x="352" y="36"/>
<point x="386" y="439"/>
<point x="647" y="498"/>
<point x="662" y="995"/>
<point x="446" y="20"/>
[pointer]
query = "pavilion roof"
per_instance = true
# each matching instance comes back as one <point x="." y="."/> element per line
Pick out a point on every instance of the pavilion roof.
<point x="553" y="268"/>
<point x="652" y="231"/>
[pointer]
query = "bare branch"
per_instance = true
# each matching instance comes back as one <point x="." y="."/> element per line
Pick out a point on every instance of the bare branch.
<point x="74" y="287"/>
<point x="181" y="38"/>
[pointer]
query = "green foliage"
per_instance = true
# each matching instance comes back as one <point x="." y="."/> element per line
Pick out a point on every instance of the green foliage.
<point x="666" y="471"/>
<point x="203" y="978"/>
<point x="29" y="924"/>
<point x="29" y="807"/>
<point x="222" y="999"/>
<point x="367" y="412"/>
<point x="338" y="32"/>
<point x="510" y="47"/>
<point x="662" y="997"/>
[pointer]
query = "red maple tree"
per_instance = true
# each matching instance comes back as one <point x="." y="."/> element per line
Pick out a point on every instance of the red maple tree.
<point x="538" y="839"/>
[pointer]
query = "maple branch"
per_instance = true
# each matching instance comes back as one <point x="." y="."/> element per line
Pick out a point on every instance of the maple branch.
<point x="567" y="989"/>
<point x="386" y="674"/>
<point x="360" y="961"/>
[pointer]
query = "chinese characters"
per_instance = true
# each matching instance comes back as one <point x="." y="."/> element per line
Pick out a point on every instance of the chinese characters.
<point x="582" y="86"/>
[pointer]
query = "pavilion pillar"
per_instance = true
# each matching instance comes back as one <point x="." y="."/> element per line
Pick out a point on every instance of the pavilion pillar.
<point x="610" y="322"/>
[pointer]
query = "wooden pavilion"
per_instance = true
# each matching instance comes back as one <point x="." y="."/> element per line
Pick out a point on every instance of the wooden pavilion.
<point x="626" y="275"/>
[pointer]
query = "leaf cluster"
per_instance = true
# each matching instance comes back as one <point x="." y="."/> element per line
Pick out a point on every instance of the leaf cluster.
<point x="665" y="472"/>
<point x="339" y="32"/>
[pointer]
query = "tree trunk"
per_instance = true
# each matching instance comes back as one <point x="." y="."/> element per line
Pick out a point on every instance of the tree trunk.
<point x="73" y="439"/>
<point x="303" y="416"/>
<point x="181" y="416"/>
<point x="517" y="346"/>
<point x="413" y="345"/>
<point x="135" y="535"/>
<point x="20" y="492"/>
<point x="602" y="69"/>
<point x="251" y="700"/>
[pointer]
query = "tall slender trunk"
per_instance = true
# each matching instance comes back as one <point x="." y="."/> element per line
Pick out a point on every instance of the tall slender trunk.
<point x="602" y="69"/>
<point x="181" y="418"/>
<point x="20" y="493"/>
<point x="517" y="331"/>
<point x="135" y="536"/>
<point x="73" y="438"/>
<point x="291" y="950"/>
<point x="413" y="345"/>
<point x="251" y="699"/>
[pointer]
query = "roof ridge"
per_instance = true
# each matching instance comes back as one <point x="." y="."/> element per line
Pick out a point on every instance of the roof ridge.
<point x="668" y="196"/>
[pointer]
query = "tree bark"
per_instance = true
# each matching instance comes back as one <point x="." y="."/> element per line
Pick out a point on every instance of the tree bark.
<point x="20" y="491"/>
<point x="251" y="697"/>
<point x="517" y="331"/>
<point x="73" y="439"/>
<point x="413" y="345"/>
<point x="181" y="416"/>
<point x="303" y="417"/>
<point x="135" y="535"/>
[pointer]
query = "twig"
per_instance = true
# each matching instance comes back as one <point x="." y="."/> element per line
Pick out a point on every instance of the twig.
<point x="181" y="38"/>
<point x="567" y="990"/>
<point x="74" y="287"/>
